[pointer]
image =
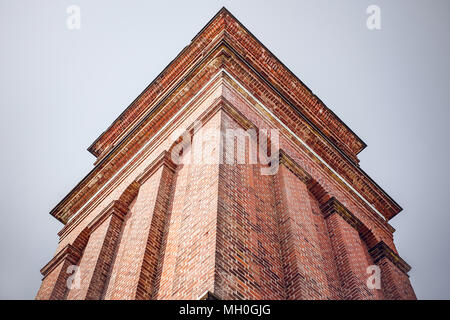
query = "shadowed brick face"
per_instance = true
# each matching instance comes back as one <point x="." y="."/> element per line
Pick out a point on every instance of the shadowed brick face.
<point x="304" y="261"/>
<point x="145" y="225"/>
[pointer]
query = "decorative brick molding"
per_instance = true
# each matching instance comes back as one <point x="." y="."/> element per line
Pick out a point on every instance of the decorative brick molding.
<point x="294" y="167"/>
<point x="334" y="206"/>
<point x="162" y="159"/>
<point x="377" y="251"/>
<point x="381" y="250"/>
<point x="224" y="26"/>
<point x="236" y="115"/>
<point x="69" y="253"/>
<point x="226" y="52"/>
<point x="54" y="283"/>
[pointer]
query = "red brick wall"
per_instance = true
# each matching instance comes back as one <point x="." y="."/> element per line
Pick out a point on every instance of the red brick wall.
<point x="96" y="261"/>
<point x="327" y="263"/>
<point x="304" y="250"/>
<point x="350" y="257"/>
<point x="248" y="253"/>
<point x="188" y="263"/>
<point x="54" y="285"/>
<point x="134" y="272"/>
<point x="228" y="229"/>
<point x="395" y="284"/>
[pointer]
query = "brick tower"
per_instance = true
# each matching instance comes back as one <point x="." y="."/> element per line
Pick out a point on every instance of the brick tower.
<point x="173" y="210"/>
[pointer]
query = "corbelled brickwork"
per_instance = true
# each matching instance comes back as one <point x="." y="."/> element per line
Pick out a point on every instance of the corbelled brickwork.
<point x="147" y="223"/>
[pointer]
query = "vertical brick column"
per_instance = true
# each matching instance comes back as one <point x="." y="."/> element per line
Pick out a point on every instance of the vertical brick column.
<point x="54" y="284"/>
<point x="394" y="278"/>
<point x="187" y="267"/>
<point x="328" y="264"/>
<point x="99" y="253"/>
<point x="349" y="250"/>
<point x="303" y="262"/>
<point x="134" y="270"/>
<point x="248" y="253"/>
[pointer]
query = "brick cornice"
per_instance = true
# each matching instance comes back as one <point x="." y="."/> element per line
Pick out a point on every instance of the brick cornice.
<point x="235" y="114"/>
<point x="294" y="167"/>
<point x="225" y="27"/>
<point x="116" y="157"/>
<point x="163" y="83"/>
<point x="334" y="206"/>
<point x="378" y="251"/>
<point x="163" y="159"/>
<point x="381" y="250"/>
<point x="80" y="194"/>
<point x="290" y="85"/>
<point x="116" y="207"/>
<point x="69" y="253"/>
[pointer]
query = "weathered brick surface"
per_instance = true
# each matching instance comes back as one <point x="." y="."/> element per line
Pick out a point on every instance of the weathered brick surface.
<point x="319" y="173"/>
<point x="328" y="263"/>
<point x="187" y="266"/>
<point x="96" y="261"/>
<point x="304" y="263"/>
<point x="351" y="258"/>
<point x="395" y="283"/>
<point x="307" y="232"/>
<point x="248" y="253"/>
<point x="134" y="270"/>
<point x="54" y="284"/>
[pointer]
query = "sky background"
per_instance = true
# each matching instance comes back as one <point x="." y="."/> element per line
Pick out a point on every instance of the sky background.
<point x="61" y="88"/>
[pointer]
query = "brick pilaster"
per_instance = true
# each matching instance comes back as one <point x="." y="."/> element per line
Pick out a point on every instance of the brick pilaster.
<point x="56" y="272"/>
<point x="350" y="252"/>
<point x="186" y="270"/>
<point x="134" y="271"/>
<point x="95" y="264"/>
<point x="248" y="259"/>
<point x="394" y="278"/>
<point x="303" y="262"/>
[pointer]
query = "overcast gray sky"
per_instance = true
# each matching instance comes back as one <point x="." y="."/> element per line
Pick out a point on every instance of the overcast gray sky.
<point x="61" y="88"/>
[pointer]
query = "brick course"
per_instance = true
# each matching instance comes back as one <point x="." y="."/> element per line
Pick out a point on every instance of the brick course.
<point x="142" y="226"/>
